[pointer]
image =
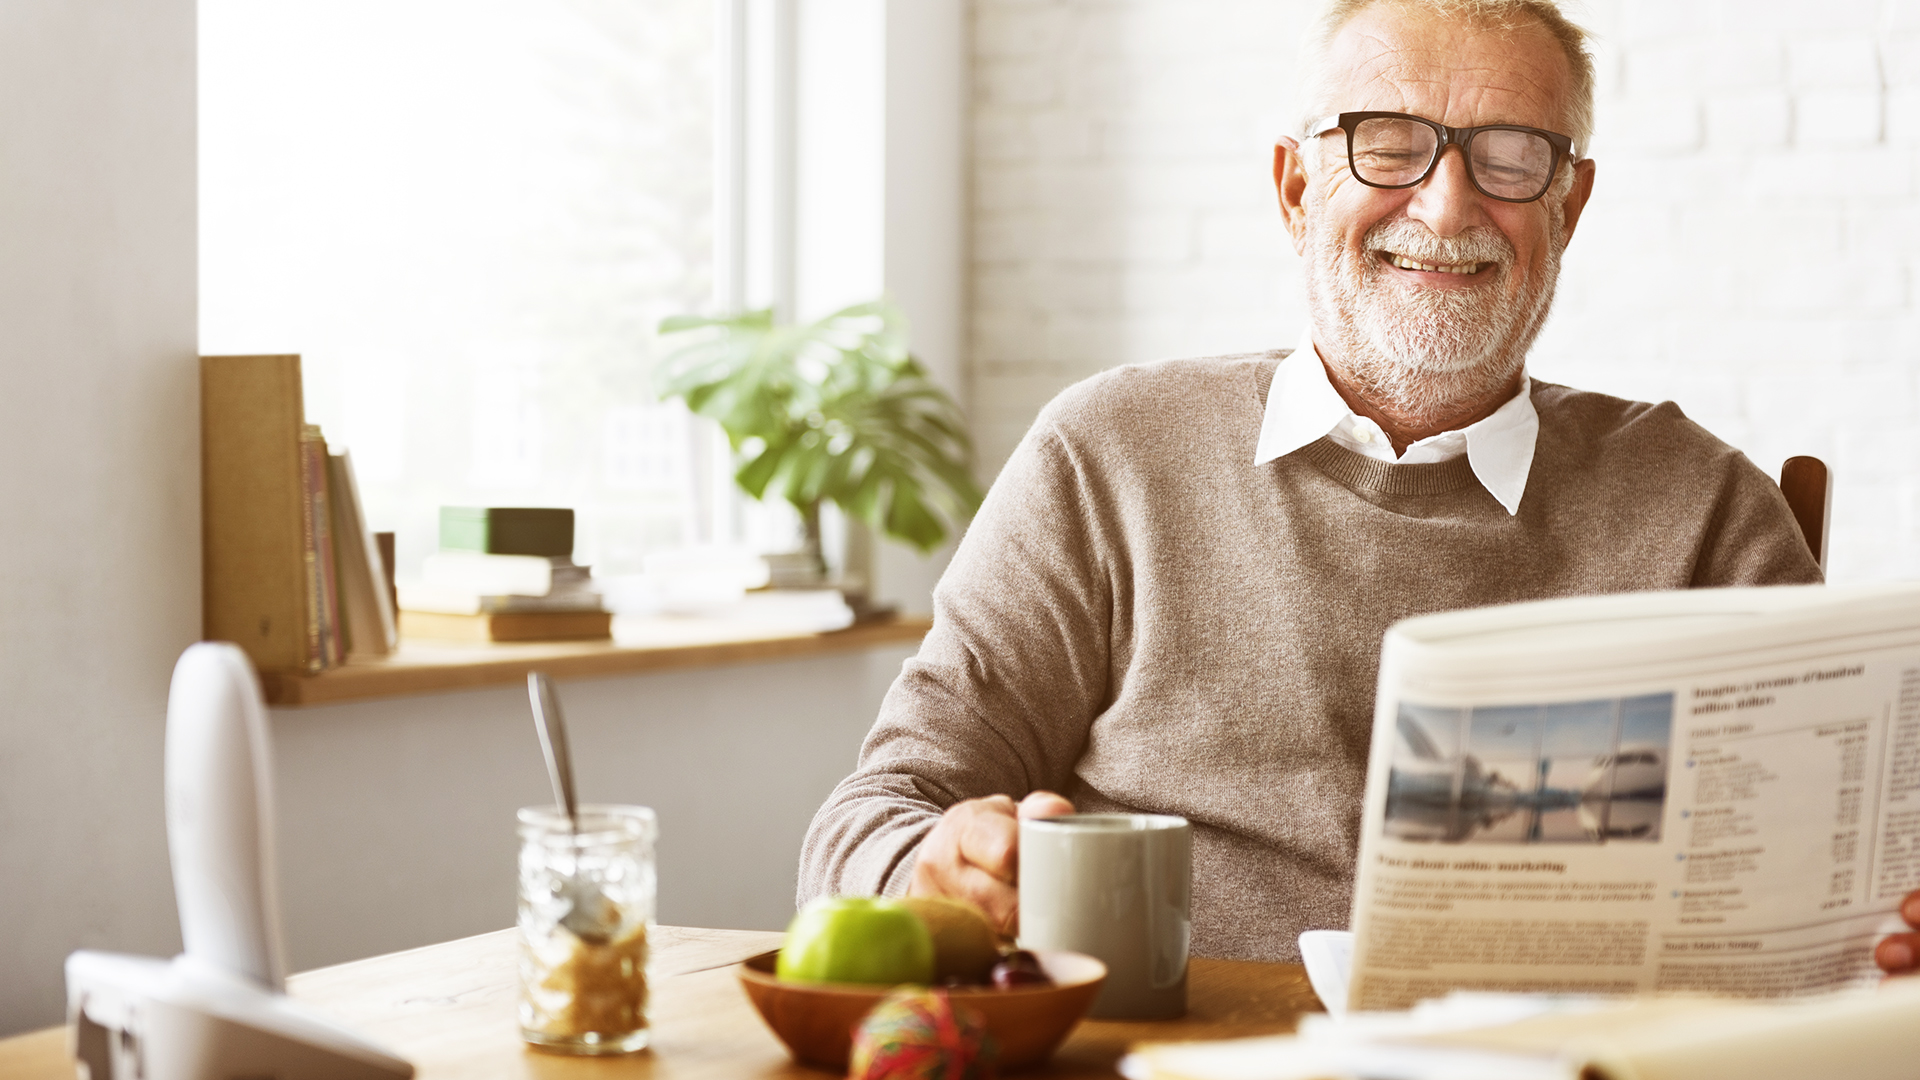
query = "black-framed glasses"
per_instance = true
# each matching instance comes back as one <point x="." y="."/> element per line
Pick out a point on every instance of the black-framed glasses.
<point x="1398" y="150"/>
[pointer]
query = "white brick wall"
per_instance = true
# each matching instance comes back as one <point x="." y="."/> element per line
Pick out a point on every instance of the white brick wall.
<point x="1750" y="250"/>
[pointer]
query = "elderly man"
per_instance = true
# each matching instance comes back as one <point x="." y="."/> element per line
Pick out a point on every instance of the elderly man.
<point x="1174" y="596"/>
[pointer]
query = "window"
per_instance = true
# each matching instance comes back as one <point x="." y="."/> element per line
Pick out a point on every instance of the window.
<point x="467" y="216"/>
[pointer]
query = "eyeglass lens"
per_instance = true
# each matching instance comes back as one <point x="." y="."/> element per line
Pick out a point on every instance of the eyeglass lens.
<point x="1392" y="152"/>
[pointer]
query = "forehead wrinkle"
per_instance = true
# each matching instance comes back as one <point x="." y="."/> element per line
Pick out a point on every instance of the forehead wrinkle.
<point x="1506" y="96"/>
<point x="1526" y="85"/>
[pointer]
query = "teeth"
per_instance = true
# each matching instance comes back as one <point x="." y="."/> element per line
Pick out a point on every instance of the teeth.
<point x="1405" y="263"/>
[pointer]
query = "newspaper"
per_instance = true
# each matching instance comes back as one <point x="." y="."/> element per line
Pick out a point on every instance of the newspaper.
<point x="1712" y="791"/>
<point x="1858" y="1035"/>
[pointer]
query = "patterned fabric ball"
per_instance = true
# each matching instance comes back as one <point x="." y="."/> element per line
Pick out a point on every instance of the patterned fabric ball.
<point x="920" y="1035"/>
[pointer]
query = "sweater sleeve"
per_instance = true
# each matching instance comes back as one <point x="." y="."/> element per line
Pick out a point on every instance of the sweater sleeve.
<point x="1752" y="538"/>
<point x="1005" y="686"/>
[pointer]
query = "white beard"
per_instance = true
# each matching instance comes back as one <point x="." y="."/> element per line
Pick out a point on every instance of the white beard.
<point x="1423" y="356"/>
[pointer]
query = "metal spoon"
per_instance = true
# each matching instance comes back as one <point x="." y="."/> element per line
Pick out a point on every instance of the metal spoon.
<point x="590" y="916"/>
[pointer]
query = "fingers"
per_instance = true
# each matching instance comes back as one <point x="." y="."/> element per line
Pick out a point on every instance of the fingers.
<point x="998" y="900"/>
<point x="1898" y="954"/>
<point x="972" y="854"/>
<point x="1045" y="804"/>
<point x="990" y="837"/>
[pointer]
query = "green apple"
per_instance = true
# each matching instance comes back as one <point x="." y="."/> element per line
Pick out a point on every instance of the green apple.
<point x="857" y="939"/>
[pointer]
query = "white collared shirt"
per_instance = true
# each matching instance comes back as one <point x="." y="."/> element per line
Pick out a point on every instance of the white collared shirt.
<point x="1302" y="405"/>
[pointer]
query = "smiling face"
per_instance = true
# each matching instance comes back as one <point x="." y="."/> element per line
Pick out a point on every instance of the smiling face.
<point x="1426" y="299"/>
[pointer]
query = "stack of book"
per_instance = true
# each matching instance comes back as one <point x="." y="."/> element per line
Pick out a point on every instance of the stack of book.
<point x="291" y="573"/>
<point x="504" y="574"/>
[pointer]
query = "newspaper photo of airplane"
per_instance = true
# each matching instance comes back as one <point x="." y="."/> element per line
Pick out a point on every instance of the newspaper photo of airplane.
<point x="1587" y="772"/>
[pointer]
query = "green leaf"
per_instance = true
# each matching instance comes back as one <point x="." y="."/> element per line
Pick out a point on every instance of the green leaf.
<point x="909" y="519"/>
<point x="843" y="410"/>
<point x="674" y="324"/>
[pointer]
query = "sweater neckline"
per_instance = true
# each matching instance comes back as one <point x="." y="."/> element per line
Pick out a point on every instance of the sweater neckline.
<point x="1361" y="472"/>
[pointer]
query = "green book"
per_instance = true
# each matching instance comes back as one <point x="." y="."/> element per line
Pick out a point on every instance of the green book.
<point x="507" y="530"/>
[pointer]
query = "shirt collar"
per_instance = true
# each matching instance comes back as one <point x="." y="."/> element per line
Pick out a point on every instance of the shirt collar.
<point x="1303" y="406"/>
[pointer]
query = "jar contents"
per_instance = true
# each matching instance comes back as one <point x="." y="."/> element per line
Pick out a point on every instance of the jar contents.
<point x="580" y="988"/>
<point x="586" y="909"/>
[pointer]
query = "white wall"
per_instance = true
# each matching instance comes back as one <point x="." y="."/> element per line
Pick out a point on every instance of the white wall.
<point x="1749" y="251"/>
<point x="1122" y="209"/>
<point x="397" y="817"/>
<point x="100" y="580"/>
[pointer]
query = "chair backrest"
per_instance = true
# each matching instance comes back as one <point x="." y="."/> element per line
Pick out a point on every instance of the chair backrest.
<point x="1809" y="491"/>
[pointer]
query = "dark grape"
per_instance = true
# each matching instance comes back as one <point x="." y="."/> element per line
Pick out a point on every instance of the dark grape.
<point x="1019" y="968"/>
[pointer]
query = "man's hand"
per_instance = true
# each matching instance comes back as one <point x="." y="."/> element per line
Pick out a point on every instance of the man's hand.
<point x="974" y="853"/>
<point x="1899" y="954"/>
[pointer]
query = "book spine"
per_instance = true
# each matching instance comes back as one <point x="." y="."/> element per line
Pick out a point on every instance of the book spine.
<point x="253" y="507"/>
<point x="334" y="621"/>
<point x="366" y="612"/>
<point x="323" y="608"/>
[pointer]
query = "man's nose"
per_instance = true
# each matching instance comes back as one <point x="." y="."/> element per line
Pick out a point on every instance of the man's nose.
<point x="1446" y="201"/>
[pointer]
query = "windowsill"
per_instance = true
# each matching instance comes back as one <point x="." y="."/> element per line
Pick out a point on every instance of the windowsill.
<point x="422" y="666"/>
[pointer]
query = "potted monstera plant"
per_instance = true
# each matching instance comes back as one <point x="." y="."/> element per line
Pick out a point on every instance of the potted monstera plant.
<point x="835" y="411"/>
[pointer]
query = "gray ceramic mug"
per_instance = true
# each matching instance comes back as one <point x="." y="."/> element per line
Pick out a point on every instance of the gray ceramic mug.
<point x="1116" y="887"/>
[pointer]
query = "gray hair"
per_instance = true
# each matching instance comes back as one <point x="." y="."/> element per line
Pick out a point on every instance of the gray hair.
<point x="1502" y="15"/>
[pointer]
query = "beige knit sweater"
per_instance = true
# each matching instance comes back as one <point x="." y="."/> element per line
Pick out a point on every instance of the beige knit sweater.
<point x="1143" y="620"/>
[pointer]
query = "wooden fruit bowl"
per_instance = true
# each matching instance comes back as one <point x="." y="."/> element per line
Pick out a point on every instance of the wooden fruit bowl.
<point x="816" y="1020"/>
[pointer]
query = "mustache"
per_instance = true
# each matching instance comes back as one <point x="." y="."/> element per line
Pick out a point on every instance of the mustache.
<point x="1404" y="236"/>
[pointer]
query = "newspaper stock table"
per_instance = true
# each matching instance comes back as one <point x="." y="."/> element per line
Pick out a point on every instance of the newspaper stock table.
<point x="450" y="1010"/>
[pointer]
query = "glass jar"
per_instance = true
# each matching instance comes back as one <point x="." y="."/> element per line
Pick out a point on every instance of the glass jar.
<point x="586" y="910"/>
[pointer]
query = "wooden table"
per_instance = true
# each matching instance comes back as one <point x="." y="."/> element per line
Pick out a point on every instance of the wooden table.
<point x="449" y="1009"/>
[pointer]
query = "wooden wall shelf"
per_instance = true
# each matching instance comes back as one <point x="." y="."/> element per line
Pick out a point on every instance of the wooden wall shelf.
<point x="421" y="667"/>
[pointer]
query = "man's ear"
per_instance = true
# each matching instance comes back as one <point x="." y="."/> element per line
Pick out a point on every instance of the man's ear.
<point x="1578" y="195"/>
<point x="1290" y="182"/>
